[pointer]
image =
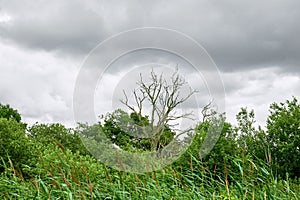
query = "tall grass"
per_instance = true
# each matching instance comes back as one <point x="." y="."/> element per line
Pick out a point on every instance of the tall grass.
<point x="64" y="175"/>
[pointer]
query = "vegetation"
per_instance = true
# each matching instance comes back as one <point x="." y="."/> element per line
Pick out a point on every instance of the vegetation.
<point x="49" y="161"/>
<point x="283" y="126"/>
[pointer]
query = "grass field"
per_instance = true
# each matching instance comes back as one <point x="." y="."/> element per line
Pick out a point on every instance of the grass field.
<point x="64" y="175"/>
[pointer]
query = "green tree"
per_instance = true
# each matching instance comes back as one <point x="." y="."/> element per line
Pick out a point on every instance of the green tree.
<point x="16" y="150"/>
<point x="222" y="153"/>
<point x="283" y="127"/>
<point x="57" y="134"/>
<point x="9" y="113"/>
<point x="250" y="139"/>
<point x="127" y="131"/>
<point x="116" y="128"/>
<point x="224" y="149"/>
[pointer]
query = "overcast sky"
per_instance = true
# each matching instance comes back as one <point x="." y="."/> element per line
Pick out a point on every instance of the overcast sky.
<point x="43" y="44"/>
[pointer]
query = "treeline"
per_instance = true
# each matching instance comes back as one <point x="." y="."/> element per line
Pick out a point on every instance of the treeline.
<point x="50" y="160"/>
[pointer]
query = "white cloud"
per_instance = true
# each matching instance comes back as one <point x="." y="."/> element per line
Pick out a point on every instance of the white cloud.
<point x="37" y="83"/>
<point x="5" y="18"/>
<point x="257" y="89"/>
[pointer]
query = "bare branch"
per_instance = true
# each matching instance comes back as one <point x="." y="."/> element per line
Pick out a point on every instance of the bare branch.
<point x="208" y="111"/>
<point x="163" y="97"/>
<point x="125" y="102"/>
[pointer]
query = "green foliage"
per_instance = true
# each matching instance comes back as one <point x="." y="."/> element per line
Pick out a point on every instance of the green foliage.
<point x="253" y="141"/>
<point x="66" y="175"/>
<point x="195" y="141"/>
<point x="55" y="162"/>
<point x="220" y="155"/>
<point x="9" y="113"/>
<point x="117" y="127"/>
<point x="245" y="121"/>
<point x="15" y="147"/>
<point x="283" y="126"/>
<point x="125" y="131"/>
<point x="224" y="149"/>
<point x="57" y="135"/>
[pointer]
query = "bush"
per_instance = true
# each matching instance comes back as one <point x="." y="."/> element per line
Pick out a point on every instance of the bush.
<point x="15" y="147"/>
<point x="57" y="135"/>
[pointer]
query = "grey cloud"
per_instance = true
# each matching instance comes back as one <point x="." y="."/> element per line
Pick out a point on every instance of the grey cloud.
<point x="254" y="43"/>
<point x="60" y="25"/>
<point x="252" y="34"/>
<point x="238" y="35"/>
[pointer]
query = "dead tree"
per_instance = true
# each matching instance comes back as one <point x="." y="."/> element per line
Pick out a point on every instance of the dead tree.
<point x="163" y="98"/>
<point x="208" y="111"/>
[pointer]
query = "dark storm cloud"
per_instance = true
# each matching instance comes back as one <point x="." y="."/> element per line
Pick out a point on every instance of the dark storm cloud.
<point x="243" y="34"/>
<point x="68" y="26"/>
<point x="237" y="34"/>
